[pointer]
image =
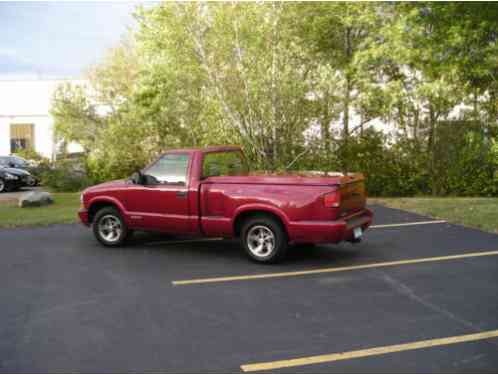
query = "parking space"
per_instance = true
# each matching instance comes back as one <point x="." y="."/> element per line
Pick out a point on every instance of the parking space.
<point x="409" y="298"/>
<point x="388" y="216"/>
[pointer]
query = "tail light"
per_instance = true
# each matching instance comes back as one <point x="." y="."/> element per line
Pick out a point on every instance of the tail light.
<point x="332" y="199"/>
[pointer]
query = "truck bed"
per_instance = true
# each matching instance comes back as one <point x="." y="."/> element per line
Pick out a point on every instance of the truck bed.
<point x="299" y="199"/>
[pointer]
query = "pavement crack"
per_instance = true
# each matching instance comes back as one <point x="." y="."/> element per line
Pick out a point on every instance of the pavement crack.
<point x="470" y="359"/>
<point x="405" y="290"/>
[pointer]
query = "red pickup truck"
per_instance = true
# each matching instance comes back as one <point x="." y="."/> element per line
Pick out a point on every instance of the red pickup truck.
<point x="210" y="192"/>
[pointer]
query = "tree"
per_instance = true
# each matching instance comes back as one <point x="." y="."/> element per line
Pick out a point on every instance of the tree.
<point x="465" y="36"/>
<point x="75" y="116"/>
<point x="296" y="85"/>
<point x="249" y="72"/>
<point x="335" y="33"/>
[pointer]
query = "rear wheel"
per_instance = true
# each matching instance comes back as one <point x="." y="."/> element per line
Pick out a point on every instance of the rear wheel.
<point x="264" y="239"/>
<point x="109" y="227"/>
<point x="2" y="185"/>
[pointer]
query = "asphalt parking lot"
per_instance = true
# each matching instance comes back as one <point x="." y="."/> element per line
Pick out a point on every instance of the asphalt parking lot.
<point x="409" y="298"/>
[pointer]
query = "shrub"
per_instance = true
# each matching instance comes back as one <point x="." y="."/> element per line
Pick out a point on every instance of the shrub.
<point x="30" y="154"/>
<point x="465" y="163"/>
<point x="41" y="168"/>
<point x="66" y="176"/>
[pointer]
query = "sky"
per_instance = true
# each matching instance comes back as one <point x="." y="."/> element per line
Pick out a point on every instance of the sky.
<point x="58" y="39"/>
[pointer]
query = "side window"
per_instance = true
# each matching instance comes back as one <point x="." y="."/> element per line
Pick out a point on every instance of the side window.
<point x="168" y="169"/>
<point x="224" y="164"/>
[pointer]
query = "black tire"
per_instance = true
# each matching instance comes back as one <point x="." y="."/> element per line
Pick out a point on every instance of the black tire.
<point x="112" y="216"/>
<point x="9" y="187"/>
<point x="262" y="224"/>
<point x="32" y="182"/>
<point x="3" y="185"/>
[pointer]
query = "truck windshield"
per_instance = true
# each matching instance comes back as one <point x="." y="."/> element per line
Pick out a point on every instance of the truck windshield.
<point x="226" y="163"/>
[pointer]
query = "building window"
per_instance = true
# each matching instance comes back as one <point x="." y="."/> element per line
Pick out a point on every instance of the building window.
<point x="22" y="136"/>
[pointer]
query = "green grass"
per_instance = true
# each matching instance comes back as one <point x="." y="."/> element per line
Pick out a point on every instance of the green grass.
<point x="481" y="213"/>
<point x="64" y="210"/>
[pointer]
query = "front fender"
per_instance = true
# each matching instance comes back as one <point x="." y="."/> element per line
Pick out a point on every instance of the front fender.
<point x="100" y="199"/>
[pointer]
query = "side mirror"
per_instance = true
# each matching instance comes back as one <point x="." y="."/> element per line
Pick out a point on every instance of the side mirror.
<point x="137" y="178"/>
<point x="12" y="165"/>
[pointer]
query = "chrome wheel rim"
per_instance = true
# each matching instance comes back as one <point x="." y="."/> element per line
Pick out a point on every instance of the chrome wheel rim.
<point x="2" y="185"/>
<point x="260" y="241"/>
<point x="110" y="228"/>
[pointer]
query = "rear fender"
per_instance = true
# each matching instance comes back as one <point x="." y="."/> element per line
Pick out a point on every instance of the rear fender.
<point x="258" y="207"/>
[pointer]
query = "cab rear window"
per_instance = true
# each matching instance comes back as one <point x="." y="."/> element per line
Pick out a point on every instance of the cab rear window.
<point x="230" y="163"/>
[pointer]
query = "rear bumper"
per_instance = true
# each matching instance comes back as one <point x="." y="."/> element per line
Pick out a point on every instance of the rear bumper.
<point x="329" y="231"/>
<point x="83" y="214"/>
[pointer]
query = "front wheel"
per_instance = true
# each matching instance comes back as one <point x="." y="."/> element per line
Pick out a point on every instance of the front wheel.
<point x="109" y="227"/>
<point x="264" y="239"/>
<point x="6" y="187"/>
<point x="31" y="181"/>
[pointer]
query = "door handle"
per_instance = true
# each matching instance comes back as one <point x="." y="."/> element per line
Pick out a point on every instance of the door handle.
<point x="182" y="193"/>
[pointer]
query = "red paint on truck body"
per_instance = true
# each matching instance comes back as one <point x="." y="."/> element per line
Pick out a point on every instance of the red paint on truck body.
<point x="211" y="206"/>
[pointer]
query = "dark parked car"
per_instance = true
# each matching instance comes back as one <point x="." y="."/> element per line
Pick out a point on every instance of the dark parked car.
<point x="13" y="179"/>
<point x="20" y="163"/>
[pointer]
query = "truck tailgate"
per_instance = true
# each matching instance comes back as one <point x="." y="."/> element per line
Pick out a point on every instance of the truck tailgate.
<point x="353" y="196"/>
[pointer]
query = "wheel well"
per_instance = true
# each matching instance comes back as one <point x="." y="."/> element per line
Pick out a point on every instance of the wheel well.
<point x="239" y="220"/>
<point x="95" y="207"/>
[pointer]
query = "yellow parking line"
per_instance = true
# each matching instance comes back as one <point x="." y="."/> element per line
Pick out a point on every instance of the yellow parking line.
<point x="334" y="269"/>
<point x="407" y="224"/>
<point x="367" y="352"/>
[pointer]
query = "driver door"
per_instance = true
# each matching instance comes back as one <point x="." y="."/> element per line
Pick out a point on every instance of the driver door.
<point x="161" y="202"/>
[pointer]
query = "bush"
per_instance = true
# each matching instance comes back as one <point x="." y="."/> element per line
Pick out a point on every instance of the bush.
<point x="397" y="169"/>
<point x="30" y="154"/>
<point x="39" y="170"/>
<point x="66" y="176"/>
<point x="465" y="163"/>
<point x="466" y="160"/>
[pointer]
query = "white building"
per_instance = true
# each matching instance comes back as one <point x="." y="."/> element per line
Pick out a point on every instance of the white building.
<point x="25" y="119"/>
